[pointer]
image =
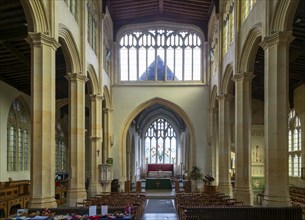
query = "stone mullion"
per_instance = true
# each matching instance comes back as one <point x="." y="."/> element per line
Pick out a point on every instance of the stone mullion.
<point x="95" y="144"/>
<point x="224" y="184"/>
<point x="276" y="49"/>
<point x="76" y="190"/>
<point x="43" y="49"/>
<point x="243" y="115"/>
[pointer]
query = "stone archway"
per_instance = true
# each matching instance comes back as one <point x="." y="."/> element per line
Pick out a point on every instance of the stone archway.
<point x="190" y="153"/>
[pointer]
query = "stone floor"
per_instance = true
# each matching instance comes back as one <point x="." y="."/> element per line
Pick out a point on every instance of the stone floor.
<point x="161" y="197"/>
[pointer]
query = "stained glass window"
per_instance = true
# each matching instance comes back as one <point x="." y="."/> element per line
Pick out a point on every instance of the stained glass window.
<point x="160" y="142"/>
<point x="61" y="149"/>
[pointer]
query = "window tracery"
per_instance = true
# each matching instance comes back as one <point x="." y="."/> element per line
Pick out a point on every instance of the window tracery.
<point x="160" y="55"/>
<point x="160" y="142"/>
<point x="294" y="144"/>
<point x="18" y="138"/>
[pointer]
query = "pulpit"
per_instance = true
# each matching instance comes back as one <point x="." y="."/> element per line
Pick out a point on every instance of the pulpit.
<point x="105" y="173"/>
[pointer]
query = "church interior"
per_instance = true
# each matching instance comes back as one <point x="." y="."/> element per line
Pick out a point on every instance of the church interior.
<point x="112" y="99"/>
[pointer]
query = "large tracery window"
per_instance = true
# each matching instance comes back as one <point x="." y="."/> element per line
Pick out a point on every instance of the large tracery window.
<point x="160" y="142"/>
<point x="295" y="144"/>
<point x="18" y="138"/>
<point x="160" y="55"/>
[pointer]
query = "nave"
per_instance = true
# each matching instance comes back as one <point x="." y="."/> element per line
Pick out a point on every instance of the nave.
<point x="160" y="206"/>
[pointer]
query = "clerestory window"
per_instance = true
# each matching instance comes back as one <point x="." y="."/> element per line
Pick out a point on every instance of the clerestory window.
<point x="160" y="55"/>
<point x="160" y="142"/>
<point x="72" y="6"/>
<point x="92" y="28"/>
<point x="228" y="27"/>
<point x="246" y="7"/>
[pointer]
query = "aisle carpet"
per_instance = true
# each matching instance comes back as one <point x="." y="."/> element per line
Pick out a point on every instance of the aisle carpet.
<point x="160" y="206"/>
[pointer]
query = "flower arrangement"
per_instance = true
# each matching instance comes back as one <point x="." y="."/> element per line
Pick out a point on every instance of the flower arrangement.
<point x="196" y="173"/>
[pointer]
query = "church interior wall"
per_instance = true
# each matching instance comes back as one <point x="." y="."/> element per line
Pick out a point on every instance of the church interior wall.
<point x="66" y="20"/>
<point x="191" y="99"/>
<point x="255" y="18"/>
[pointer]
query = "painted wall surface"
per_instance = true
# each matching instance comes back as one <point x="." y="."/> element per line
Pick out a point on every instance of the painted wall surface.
<point x="193" y="100"/>
<point x="7" y="95"/>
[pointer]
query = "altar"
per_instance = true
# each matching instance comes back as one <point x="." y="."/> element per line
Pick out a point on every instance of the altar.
<point x="158" y="183"/>
<point x="160" y="170"/>
<point x="160" y="174"/>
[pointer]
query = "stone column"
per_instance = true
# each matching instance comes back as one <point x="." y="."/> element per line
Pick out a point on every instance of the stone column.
<point x="243" y="121"/>
<point x="43" y="77"/>
<point x="76" y="191"/>
<point x="107" y="139"/>
<point x="95" y="186"/>
<point x="224" y="184"/>
<point x="276" y="49"/>
<point x="213" y="171"/>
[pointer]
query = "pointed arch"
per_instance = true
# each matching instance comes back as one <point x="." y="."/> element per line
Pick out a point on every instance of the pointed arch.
<point x="283" y="19"/>
<point x="213" y="97"/>
<point x="93" y="83"/>
<point x="139" y="109"/>
<point x="227" y="83"/>
<point x="36" y="16"/>
<point x="250" y="48"/>
<point x="70" y="50"/>
<point x="107" y="97"/>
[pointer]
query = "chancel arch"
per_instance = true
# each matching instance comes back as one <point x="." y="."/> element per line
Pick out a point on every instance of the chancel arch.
<point x="161" y="112"/>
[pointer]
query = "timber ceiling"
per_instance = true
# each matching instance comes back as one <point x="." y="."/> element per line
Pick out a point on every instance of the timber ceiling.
<point x="15" y="53"/>
<point x="196" y="12"/>
<point x="296" y="59"/>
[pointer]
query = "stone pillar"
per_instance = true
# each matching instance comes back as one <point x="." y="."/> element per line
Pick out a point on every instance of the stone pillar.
<point x="107" y="139"/>
<point x="224" y="184"/>
<point x="43" y="77"/>
<point x="276" y="49"/>
<point x="243" y="121"/>
<point x="213" y="171"/>
<point x="95" y="186"/>
<point x="76" y="191"/>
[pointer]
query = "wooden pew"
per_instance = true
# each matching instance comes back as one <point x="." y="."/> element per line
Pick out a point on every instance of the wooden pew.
<point x="13" y="195"/>
<point x="249" y="213"/>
